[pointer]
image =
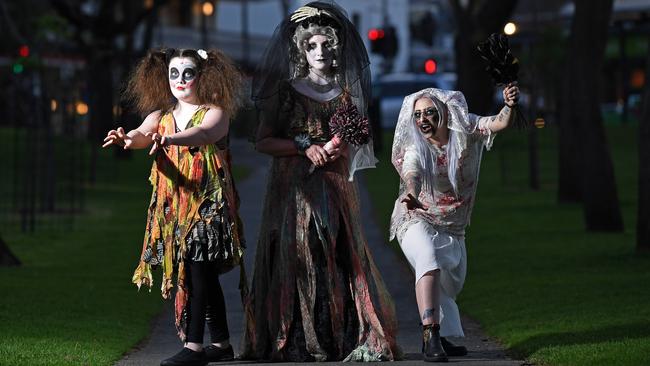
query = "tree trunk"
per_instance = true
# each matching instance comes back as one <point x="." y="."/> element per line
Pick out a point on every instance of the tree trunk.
<point x="587" y="48"/>
<point x="569" y="187"/>
<point x="100" y="87"/>
<point x="475" y="22"/>
<point x="6" y="257"/>
<point x="643" y="216"/>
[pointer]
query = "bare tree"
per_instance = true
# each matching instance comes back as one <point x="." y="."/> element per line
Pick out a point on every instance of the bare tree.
<point x="643" y="216"/>
<point x="95" y="34"/>
<point x="476" y="20"/>
<point x="586" y="169"/>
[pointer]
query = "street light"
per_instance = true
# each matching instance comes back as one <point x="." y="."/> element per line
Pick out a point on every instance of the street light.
<point x="81" y="108"/>
<point x="510" y="28"/>
<point x="207" y="8"/>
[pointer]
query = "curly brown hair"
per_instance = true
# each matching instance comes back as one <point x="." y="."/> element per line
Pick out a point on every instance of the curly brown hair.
<point x="218" y="82"/>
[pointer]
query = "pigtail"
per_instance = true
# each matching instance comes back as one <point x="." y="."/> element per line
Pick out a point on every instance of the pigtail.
<point x="220" y="82"/>
<point x="148" y="87"/>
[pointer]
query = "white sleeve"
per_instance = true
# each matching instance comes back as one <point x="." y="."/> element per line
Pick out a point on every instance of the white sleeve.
<point x="482" y="131"/>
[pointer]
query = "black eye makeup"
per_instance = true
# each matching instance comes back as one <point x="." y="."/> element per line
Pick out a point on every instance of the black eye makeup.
<point x="173" y="73"/>
<point x="325" y="45"/>
<point x="431" y="111"/>
<point x="189" y="74"/>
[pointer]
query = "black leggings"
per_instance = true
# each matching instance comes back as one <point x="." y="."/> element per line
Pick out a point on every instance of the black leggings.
<point x="205" y="303"/>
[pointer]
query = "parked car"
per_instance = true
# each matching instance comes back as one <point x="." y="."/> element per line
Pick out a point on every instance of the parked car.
<point x="390" y="90"/>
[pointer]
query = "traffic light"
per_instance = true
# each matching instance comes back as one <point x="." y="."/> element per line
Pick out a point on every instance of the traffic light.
<point x="430" y="66"/>
<point x="383" y="41"/>
<point x="376" y="37"/>
<point x="19" y="64"/>
<point x="23" y="51"/>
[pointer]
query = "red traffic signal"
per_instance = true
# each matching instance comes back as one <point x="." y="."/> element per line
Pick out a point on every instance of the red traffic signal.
<point x="375" y="34"/>
<point x="383" y="41"/>
<point x="23" y="51"/>
<point x="430" y="66"/>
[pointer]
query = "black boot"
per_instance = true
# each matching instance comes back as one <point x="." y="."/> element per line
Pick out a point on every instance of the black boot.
<point x="432" y="348"/>
<point x="216" y="354"/>
<point x="186" y="357"/>
<point x="452" y="349"/>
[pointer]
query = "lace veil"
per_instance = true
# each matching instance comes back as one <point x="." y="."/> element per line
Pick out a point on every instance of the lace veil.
<point x="462" y="125"/>
<point x="279" y="65"/>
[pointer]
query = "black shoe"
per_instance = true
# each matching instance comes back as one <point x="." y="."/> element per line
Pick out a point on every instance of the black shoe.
<point x="216" y="354"/>
<point x="186" y="357"/>
<point x="452" y="349"/>
<point x="432" y="349"/>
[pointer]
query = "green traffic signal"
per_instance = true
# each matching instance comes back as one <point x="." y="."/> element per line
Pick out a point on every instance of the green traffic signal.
<point x="18" y="68"/>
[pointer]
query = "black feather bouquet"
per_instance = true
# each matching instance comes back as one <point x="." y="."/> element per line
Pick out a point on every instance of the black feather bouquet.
<point x="502" y="66"/>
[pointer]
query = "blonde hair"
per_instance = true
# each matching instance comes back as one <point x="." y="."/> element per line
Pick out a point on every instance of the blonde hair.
<point x="301" y="41"/>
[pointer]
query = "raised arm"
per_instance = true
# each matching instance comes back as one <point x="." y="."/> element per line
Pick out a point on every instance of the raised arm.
<point x="507" y="114"/>
<point x="137" y="138"/>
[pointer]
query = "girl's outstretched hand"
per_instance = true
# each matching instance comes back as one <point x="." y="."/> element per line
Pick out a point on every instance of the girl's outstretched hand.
<point x="118" y="137"/>
<point x="412" y="203"/>
<point x="159" y="141"/>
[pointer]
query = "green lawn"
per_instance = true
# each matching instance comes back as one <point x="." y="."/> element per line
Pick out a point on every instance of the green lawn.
<point x="551" y="292"/>
<point x="72" y="301"/>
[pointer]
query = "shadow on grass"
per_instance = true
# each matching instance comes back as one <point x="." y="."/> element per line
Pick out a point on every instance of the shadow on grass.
<point x="599" y="335"/>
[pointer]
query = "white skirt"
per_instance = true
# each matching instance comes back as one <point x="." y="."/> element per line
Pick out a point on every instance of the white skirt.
<point x="428" y="249"/>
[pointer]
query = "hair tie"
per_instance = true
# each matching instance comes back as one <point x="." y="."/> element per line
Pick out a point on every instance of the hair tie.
<point x="201" y="52"/>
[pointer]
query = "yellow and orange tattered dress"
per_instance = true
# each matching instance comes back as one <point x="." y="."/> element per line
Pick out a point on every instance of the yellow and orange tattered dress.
<point x="193" y="189"/>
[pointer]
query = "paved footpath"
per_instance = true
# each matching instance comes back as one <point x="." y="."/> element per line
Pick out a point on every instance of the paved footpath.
<point x="163" y="341"/>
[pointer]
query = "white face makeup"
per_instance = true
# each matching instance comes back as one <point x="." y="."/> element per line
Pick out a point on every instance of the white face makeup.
<point x="319" y="53"/>
<point x="182" y="76"/>
<point x="426" y="117"/>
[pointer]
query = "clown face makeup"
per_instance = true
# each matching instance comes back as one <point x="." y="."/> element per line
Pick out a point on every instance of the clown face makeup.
<point x="426" y="117"/>
<point x="182" y="77"/>
<point x="319" y="53"/>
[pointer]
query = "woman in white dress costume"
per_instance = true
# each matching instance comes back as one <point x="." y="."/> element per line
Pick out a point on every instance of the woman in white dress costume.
<point x="437" y="153"/>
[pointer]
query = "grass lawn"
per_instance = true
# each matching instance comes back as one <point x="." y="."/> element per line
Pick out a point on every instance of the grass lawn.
<point x="551" y="292"/>
<point x="72" y="302"/>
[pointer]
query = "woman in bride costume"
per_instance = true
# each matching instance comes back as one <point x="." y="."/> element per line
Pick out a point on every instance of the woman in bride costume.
<point x="437" y="153"/>
<point x="316" y="293"/>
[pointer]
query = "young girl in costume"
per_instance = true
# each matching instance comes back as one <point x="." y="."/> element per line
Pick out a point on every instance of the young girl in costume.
<point x="316" y="293"/>
<point x="193" y="227"/>
<point x="437" y="152"/>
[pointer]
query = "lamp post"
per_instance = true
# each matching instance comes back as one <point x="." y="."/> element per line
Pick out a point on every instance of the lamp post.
<point x="207" y="9"/>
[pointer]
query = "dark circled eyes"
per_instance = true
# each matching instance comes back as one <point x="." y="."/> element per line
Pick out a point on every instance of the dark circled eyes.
<point x="188" y="73"/>
<point x="427" y="113"/>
